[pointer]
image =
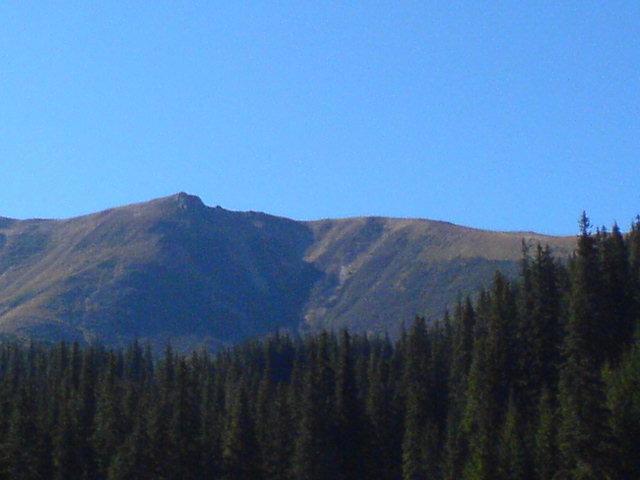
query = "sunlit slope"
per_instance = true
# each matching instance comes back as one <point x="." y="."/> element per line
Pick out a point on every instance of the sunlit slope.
<point x="176" y="269"/>
<point x="379" y="272"/>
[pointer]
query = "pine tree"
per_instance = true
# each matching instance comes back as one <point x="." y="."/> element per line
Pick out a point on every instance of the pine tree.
<point x="349" y="420"/>
<point x="132" y="461"/>
<point x="211" y="427"/>
<point x="109" y="430"/>
<point x="184" y="425"/>
<point x="546" y="456"/>
<point x="490" y="380"/>
<point x="240" y="450"/>
<point x="420" y="452"/>
<point x="476" y="427"/>
<point x="86" y="411"/>
<point x="315" y="455"/>
<point x="539" y="332"/>
<point x="381" y="459"/>
<point x="21" y="455"/>
<point x="634" y="271"/>
<point x="462" y="350"/>
<point x="276" y="436"/>
<point x="624" y="401"/>
<point x="66" y="442"/>
<point x="513" y="461"/>
<point x="616" y="307"/>
<point x="584" y="437"/>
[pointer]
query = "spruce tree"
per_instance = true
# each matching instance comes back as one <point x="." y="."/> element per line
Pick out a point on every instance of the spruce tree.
<point x="462" y="350"/>
<point x="277" y="436"/>
<point x="66" y="442"/>
<point x="539" y="332"/>
<point x="513" y="461"/>
<point x="184" y="425"/>
<point x="349" y="418"/>
<point x="616" y="307"/>
<point x="624" y="402"/>
<point x="420" y="452"/>
<point x="315" y="455"/>
<point x="132" y="460"/>
<point x="584" y="436"/>
<point x="109" y="430"/>
<point x="86" y="399"/>
<point x="240" y="456"/>
<point x="546" y="449"/>
<point x="634" y="271"/>
<point x="211" y="427"/>
<point x="490" y="379"/>
<point x="21" y="456"/>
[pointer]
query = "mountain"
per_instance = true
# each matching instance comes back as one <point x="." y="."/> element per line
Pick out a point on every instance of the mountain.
<point x="173" y="268"/>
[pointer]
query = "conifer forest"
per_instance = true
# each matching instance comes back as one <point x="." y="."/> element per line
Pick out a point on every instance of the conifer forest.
<point x="536" y="378"/>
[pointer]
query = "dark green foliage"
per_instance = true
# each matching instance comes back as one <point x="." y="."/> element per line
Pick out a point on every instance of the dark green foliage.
<point x="22" y="457"/>
<point x="417" y="393"/>
<point x="513" y="461"/>
<point x="349" y="415"/>
<point x="539" y="334"/>
<point x="584" y="436"/>
<point x="546" y="445"/>
<point x="624" y="402"/>
<point x="240" y="448"/>
<point x="537" y="379"/>
<point x="616" y="297"/>
<point x="461" y="357"/>
<point x="132" y="460"/>
<point x="316" y="455"/>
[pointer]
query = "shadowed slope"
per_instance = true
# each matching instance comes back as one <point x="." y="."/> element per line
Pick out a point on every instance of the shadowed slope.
<point x="176" y="269"/>
<point x="170" y="268"/>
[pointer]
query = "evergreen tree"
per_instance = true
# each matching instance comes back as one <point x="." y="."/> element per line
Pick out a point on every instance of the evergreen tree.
<point x="546" y="456"/>
<point x="475" y="427"/>
<point x="22" y="459"/>
<point x="616" y="307"/>
<point x="315" y="454"/>
<point x="420" y="452"/>
<point x="240" y="450"/>
<point x="276" y="436"/>
<point x="184" y="426"/>
<point x="211" y="427"/>
<point x="381" y="459"/>
<point x="109" y="430"/>
<point x="86" y="412"/>
<point x="66" y="444"/>
<point x="513" y="461"/>
<point x="634" y="271"/>
<point x="539" y="332"/>
<point x="463" y="331"/>
<point x="624" y="401"/>
<point x="584" y="437"/>
<point x="132" y="460"/>
<point x="349" y="421"/>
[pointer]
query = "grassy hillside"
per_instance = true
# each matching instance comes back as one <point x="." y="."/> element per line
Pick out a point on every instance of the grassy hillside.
<point x="379" y="272"/>
<point x="176" y="269"/>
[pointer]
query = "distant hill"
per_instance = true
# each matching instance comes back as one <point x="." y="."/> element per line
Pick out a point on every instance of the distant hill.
<point x="173" y="268"/>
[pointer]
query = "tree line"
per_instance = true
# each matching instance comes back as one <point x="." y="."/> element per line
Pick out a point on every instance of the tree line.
<point x="537" y="378"/>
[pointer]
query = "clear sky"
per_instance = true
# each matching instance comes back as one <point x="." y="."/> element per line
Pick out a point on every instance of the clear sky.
<point x="500" y="115"/>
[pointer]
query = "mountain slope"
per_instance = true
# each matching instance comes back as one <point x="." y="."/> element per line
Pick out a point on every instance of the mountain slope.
<point x="176" y="269"/>
<point x="379" y="272"/>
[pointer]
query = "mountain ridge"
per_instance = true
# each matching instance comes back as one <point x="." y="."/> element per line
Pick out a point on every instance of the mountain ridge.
<point x="175" y="268"/>
<point x="197" y="200"/>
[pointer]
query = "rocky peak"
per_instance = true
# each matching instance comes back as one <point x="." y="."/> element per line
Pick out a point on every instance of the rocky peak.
<point x="188" y="202"/>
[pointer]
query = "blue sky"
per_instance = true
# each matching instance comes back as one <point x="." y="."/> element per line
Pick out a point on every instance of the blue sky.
<point x="500" y="115"/>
